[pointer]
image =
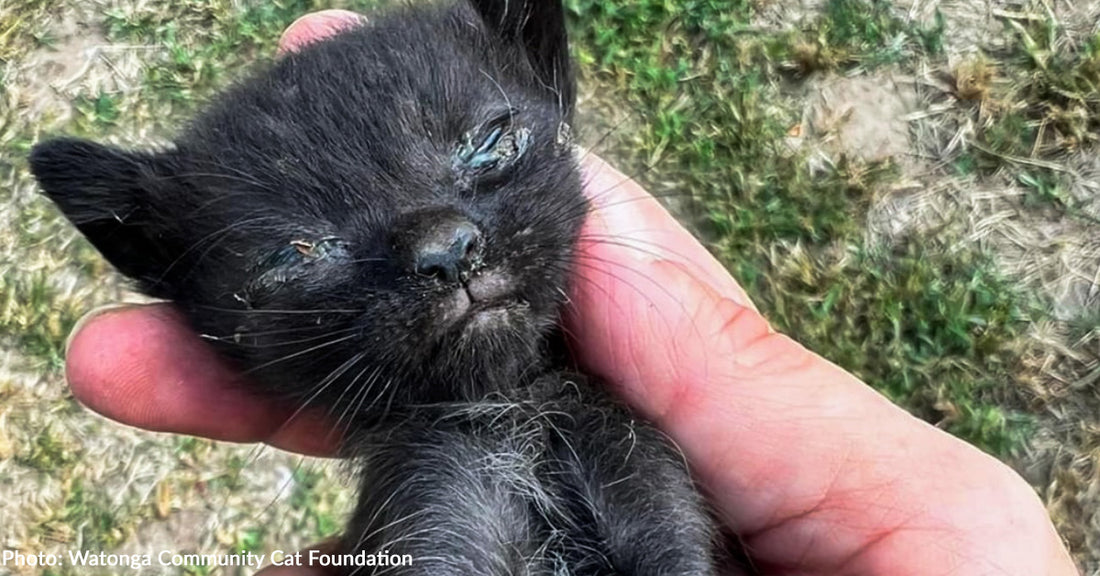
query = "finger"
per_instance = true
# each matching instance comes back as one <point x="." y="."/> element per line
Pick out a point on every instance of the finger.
<point x="145" y="367"/>
<point x="317" y="26"/>
<point x="684" y="346"/>
<point x="628" y="224"/>
<point x="640" y="271"/>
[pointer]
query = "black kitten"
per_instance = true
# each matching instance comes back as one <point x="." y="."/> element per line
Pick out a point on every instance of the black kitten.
<point x="382" y="225"/>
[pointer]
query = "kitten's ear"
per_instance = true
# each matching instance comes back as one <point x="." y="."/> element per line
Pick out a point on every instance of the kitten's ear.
<point x="539" y="26"/>
<point x="106" y="192"/>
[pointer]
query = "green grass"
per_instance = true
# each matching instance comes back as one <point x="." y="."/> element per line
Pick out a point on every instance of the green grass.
<point x="316" y="507"/>
<point x="205" y="44"/>
<point x="92" y="515"/>
<point x="250" y="540"/>
<point x="23" y="27"/>
<point x="37" y="316"/>
<point x="1046" y="106"/>
<point x="49" y="453"/>
<point x="868" y="33"/>
<point x="97" y="113"/>
<point x="935" y="330"/>
<point x="869" y="27"/>
<point x="1061" y="82"/>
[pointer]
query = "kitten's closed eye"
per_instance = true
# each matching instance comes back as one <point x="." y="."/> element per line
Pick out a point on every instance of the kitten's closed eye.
<point x="493" y="146"/>
<point x="290" y="263"/>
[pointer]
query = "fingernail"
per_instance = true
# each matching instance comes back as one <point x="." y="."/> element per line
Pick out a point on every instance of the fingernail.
<point x="95" y="313"/>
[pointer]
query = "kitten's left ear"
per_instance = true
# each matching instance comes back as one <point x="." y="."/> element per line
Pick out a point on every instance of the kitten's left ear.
<point x="107" y="193"/>
<point x="539" y="26"/>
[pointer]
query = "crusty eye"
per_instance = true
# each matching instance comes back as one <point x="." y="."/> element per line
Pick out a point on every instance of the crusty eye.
<point x="304" y="250"/>
<point x="496" y="145"/>
<point x="290" y="262"/>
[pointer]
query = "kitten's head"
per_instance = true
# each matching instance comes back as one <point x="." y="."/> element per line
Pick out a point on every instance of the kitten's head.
<point x="385" y="217"/>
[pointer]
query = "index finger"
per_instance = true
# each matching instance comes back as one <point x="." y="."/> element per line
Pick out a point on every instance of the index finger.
<point x="143" y="366"/>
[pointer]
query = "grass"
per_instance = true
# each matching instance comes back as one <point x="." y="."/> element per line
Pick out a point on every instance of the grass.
<point x="48" y="453"/>
<point x="38" y="318"/>
<point x="93" y="517"/>
<point x="319" y="516"/>
<point x="929" y="318"/>
<point x="21" y="28"/>
<point x="1045" y="105"/>
<point x="204" y="42"/>
<point x="707" y="106"/>
<point x="867" y="33"/>
<point x="936" y="331"/>
<point x="1060" y="82"/>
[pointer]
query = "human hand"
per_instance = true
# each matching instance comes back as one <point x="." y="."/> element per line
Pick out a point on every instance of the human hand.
<point x="817" y="472"/>
<point x="814" y="470"/>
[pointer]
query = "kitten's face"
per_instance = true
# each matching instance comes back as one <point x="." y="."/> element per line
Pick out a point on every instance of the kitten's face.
<point x="386" y="217"/>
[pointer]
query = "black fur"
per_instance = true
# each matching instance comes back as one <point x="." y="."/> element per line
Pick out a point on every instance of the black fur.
<point x="382" y="225"/>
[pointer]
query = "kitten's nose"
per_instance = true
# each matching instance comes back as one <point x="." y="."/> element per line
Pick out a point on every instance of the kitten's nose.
<point x="446" y="246"/>
<point x="449" y="251"/>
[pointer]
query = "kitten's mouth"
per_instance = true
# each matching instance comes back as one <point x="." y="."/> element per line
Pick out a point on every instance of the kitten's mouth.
<point x="485" y="300"/>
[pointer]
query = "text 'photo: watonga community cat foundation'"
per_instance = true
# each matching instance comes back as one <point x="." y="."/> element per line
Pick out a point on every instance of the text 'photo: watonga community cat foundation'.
<point x="381" y="225"/>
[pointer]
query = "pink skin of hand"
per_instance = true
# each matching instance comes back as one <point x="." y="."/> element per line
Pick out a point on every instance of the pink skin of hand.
<point x="818" y="473"/>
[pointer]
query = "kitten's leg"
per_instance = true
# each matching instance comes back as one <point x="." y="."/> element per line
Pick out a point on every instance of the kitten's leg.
<point x="455" y="503"/>
<point x="634" y="504"/>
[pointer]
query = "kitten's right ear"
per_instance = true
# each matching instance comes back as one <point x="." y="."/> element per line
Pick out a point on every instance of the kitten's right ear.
<point x="105" y="192"/>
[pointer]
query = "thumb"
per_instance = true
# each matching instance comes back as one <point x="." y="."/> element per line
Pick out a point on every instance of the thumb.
<point x="659" y="318"/>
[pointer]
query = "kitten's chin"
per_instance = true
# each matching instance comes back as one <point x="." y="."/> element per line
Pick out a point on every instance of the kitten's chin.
<point x="487" y="320"/>
<point x="487" y="347"/>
